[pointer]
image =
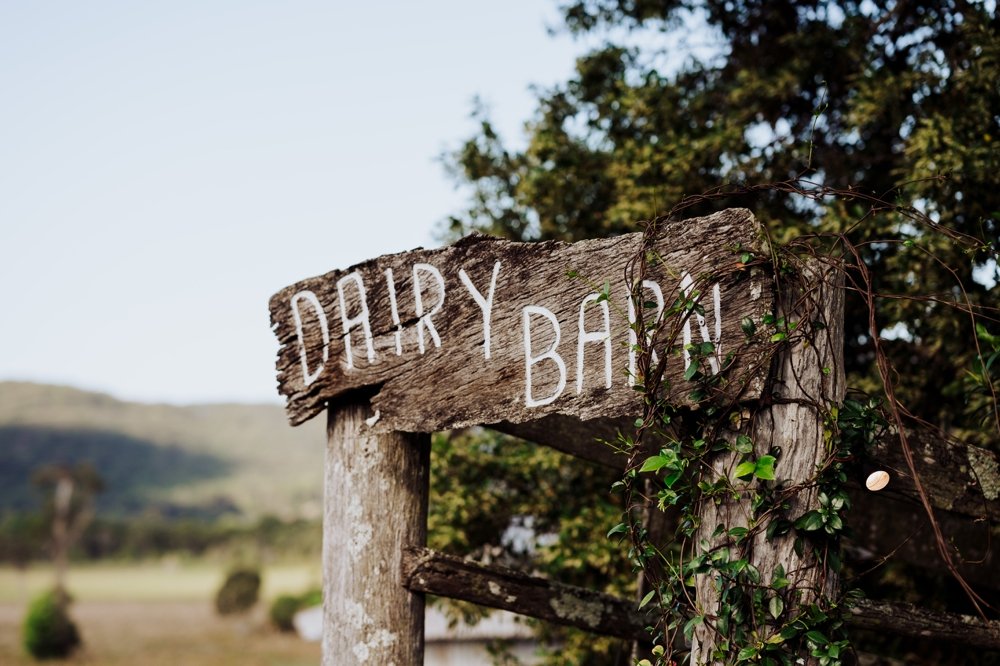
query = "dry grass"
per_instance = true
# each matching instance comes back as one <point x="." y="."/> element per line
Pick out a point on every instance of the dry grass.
<point x="150" y="581"/>
<point x="159" y="614"/>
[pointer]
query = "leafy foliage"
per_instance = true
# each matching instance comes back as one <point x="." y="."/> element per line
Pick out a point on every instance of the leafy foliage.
<point x="897" y="100"/>
<point x="285" y="606"/>
<point x="868" y="128"/>
<point x="283" y="610"/>
<point x="49" y="632"/>
<point x="502" y="500"/>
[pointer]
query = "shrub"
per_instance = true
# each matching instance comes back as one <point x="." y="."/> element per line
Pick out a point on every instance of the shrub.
<point x="283" y="611"/>
<point x="49" y="633"/>
<point x="239" y="592"/>
<point x="284" y="608"/>
<point x="311" y="598"/>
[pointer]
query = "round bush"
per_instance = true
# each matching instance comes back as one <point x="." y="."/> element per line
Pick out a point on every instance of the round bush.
<point x="239" y="593"/>
<point x="283" y="611"/>
<point x="311" y="598"/>
<point x="49" y="633"/>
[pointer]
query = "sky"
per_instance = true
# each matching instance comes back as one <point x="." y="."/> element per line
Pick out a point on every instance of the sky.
<point x="165" y="167"/>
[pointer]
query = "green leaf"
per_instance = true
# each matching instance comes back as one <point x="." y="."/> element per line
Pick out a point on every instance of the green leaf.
<point x="816" y="637"/>
<point x="691" y="624"/>
<point x="775" y="606"/>
<point x="810" y="521"/>
<point x="646" y="599"/>
<point x="620" y="528"/>
<point x="746" y="654"/>
<point x="745" y="469"/>
<point x="791" y="631"/>
<point x="764" y="469"/>
<point x="749" y="328"/>
<point x="738" y="532"/>
<point x="654" y="463"/>
<point x="744" y="444"/>
<point x="670" y="479"/>
<point x="691" y="371"/>
<point x="778" y="337"/>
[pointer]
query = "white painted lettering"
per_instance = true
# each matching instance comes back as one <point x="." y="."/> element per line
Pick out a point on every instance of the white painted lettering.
<point x="485" y="304"/>
<point x="362" y="317"/>
<point x="584" y="336"/>
<point x="424" y="320"/>
<point x="530" y="360"/>
<point x="394" y="311"/>
<point x="633" y="337"/>
<point x="307" y="377"/>
<point x="687" y="287"/>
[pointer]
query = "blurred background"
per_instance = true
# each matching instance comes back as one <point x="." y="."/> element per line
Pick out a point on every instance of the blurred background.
<point x="166" y="167"/>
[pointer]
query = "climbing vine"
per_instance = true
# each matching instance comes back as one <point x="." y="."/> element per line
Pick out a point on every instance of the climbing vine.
<point x="706" y="490"/>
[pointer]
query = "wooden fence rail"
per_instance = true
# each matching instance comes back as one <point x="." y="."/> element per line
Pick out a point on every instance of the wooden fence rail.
<point x="425" y="570"/>
<point x="953" y="473"/>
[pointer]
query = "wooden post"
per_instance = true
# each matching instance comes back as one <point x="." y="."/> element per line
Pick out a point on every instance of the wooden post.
<point x="808" y="377"/>
<point x="375" y="504"/>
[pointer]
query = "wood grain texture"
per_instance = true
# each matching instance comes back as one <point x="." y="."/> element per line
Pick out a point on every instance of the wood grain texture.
<point x="793" y="425"/>
<point x="910" y="620"/>
<point x="435" y="375"/>
<point x="893" y="528"/>
<point x="959" y="478"/>
<point x="428" y="571"/>
<point x="376" y="498"/>
<point x="431" y="572"/>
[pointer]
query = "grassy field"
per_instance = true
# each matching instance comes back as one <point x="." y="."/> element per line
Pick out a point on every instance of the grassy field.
<point x="166" y="581"/>
<point x="159" y="614"/>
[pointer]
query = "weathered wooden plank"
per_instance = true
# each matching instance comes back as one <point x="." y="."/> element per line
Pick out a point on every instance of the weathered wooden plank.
<point x="431" y="572"/>
<point x="487" y="330"/>
<point x="428" y="571"/>
<point x="895" y="528"/>
<point x="959" y="478"/>
<point x="952" y="472"/>
<point x="375" y="498"/>
<point x="910" y="620"/>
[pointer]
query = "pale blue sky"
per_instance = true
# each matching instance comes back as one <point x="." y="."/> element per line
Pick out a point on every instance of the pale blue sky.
<point x="165" y="167"/>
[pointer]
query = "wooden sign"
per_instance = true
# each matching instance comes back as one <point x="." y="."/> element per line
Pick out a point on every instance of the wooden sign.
<point x="488" y="330"/>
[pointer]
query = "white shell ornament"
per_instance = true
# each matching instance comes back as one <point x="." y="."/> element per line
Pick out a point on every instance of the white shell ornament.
<point x="877" y="480"/>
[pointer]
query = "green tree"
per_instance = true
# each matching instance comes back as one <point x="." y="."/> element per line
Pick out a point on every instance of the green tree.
<point x="895" y="100"/>
<point x="895" y="105"/>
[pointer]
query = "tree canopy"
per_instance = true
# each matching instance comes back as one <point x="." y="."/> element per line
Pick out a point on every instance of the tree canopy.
<point x="871" y="125"/>
<point x="898" y="101"/>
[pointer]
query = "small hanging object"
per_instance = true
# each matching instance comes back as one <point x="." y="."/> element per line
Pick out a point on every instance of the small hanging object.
<point x="877" y="480"/>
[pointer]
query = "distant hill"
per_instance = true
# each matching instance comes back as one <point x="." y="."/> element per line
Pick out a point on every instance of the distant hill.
<point x="192" y="460"/>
